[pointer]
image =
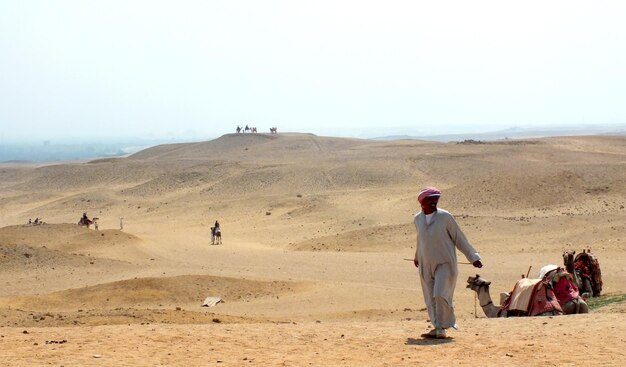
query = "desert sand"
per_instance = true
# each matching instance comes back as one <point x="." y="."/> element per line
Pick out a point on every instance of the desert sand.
<point x="312" y="268"/>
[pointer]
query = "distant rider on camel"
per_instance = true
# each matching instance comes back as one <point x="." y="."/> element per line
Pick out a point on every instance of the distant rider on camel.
<point x="85" y="221"/>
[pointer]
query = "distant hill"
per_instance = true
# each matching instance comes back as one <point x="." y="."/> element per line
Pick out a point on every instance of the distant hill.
<point x="517" y="133"/>
<point x="252" y="147"/>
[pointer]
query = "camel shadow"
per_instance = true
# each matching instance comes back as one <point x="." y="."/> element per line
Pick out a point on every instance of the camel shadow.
<point x="428" y="341"/>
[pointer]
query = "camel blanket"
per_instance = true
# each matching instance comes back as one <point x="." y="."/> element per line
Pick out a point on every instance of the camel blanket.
<point x="522" y="294"/>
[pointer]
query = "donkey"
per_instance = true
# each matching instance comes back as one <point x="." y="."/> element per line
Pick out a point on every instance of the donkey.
<point x="216" y="236"/>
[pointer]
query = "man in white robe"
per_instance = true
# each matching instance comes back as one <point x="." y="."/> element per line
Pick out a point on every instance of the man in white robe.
<point x="438" y="237"/>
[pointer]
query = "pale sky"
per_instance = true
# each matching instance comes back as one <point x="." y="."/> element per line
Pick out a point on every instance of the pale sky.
<point x="170" y="68"/>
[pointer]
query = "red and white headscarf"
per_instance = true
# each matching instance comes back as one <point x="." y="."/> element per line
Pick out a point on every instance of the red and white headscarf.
<point x="428" y="192"/>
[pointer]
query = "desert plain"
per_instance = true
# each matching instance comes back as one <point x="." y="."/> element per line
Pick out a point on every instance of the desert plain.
<point x="312" y="270"/>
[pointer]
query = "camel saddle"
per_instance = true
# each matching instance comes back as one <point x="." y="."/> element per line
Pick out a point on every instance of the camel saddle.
<point x="563" y="284"/>
<point x="532" y="297"/>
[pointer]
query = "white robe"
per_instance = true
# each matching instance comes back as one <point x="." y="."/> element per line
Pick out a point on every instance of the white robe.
<point x="436" y="254"/>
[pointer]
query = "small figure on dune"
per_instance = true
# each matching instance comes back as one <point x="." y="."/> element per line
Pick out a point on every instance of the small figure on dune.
<point x="216" y="234"/>
<point x="438" y="237"/>
<point x="238" y="129"/>
<point x="273" y="130"/>
<point x="85" y="221"/>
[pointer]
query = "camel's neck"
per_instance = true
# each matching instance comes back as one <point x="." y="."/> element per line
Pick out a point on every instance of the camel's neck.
<point x="571" y="268"/>
<point x="483" y="296"/>
<point x="486" y="303"/>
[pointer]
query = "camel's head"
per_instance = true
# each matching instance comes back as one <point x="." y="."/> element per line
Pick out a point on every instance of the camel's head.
<point x="568" y="257"/>
<point x="475" y="283"/>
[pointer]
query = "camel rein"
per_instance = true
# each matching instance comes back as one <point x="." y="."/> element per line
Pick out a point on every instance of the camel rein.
<point x="475" y="312"/>
<point x="476" y="298"/>
<point x="476" y="302"/>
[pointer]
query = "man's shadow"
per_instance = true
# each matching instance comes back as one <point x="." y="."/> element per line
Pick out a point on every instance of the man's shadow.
<point x="427" y="341"/>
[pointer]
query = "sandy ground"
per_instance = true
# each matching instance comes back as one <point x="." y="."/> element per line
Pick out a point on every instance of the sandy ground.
<point x="312" y="267"/>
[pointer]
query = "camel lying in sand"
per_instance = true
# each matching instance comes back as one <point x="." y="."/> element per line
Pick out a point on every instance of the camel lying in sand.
<point x="553" y="294"/>
<point x="586" y="270"/>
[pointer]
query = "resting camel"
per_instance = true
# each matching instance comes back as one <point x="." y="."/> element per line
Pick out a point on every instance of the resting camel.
<point x="587" y="268"/>
<point x="584" y="285"/>
<point x="551" y="304"/>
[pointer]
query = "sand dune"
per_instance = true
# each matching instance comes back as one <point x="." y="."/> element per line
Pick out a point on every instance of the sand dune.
<point x="71" y="238"/>
<point x="158" y="292"/>
<point x="316" y="230"/>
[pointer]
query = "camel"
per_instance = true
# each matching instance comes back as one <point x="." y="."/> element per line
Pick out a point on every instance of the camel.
<point x="84" y="221"/>
<point x="565" y="289"/>
<point x="539" y="300"/>
<point x="481" y="287"/>
<point x="584" y="285"/>
<point x="587" y="267"/>
<point x="273" y="130"/>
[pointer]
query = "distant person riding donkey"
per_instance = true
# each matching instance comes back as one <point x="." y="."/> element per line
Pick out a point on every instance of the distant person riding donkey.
<point x="216" y="234"/>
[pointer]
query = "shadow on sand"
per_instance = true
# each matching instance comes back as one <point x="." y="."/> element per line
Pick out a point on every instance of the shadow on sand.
<point x="428" y="341"/>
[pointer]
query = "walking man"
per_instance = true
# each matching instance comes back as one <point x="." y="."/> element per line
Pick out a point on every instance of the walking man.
<point x="438" y="237"/>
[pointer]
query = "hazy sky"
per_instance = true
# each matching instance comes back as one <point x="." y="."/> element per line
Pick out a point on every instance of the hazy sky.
<point x="172" y="68"/>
